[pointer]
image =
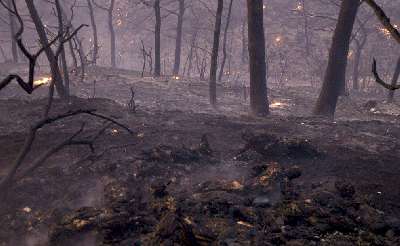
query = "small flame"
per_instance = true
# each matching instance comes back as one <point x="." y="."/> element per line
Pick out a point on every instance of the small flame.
<point x="42" y="81"/>
<point x="176" y="77"/>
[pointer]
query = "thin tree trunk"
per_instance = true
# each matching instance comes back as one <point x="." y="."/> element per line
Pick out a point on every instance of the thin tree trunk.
<point x="53" y="63"/>
<point x="335" y="73"/>
<point x="78" y="44"/>
<point x="214" y="55"/>
<point x="14" y="46"/>
<point x="244" y="42"/>
<point x="157" y="39"/>
<point x="258" y="68"/>
<point x="112" y="34"/>
<point x="94" y="29"/>
<point x="3" y="54"/>
<point x="357" y="59"/>
<point x="228" y="21"/>
<point x="178" y="40"/>
<point x="394" y="80"/>
<point x="72" y="53"/>
<point x="61" y="41"/>
<point x="306" y="28"/>
<point x="192" y="44"/>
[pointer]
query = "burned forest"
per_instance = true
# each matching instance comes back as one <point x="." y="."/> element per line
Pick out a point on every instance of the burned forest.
<point x="199" y="122"/>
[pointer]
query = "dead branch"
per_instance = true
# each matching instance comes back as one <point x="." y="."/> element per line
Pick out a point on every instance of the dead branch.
<point x="29" y="86"/>
<point x="6" y="182"/>
<point x="380" y="81"/>
<point x="67" y="142"/>
<point x="39" y="161"/>
<point x="384" y="19"/>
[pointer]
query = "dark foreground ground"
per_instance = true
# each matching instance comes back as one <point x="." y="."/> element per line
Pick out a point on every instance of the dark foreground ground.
<point x="190" y="175"/>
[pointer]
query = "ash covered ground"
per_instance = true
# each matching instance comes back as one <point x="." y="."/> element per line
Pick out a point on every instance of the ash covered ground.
<point x="193" y="175"/>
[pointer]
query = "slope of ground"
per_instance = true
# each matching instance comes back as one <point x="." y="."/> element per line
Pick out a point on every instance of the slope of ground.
<point x="191" y="175"/>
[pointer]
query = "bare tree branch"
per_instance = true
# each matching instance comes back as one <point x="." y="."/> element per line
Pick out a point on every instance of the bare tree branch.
<point x="384" y="19"/>
<point x="380" y="81"/>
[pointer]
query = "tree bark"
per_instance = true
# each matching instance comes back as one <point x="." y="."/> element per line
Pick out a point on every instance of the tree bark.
<point x="214" y="55"/>
<point x="258" y="74"/>
<point x="228" y="20"/>
<point x="94" y="29"/>
<point x="157" y="39"/>
<point x="394" y="80"/>
<point x="335" y="73"/>
<point x="55" y="70"/>
<point x="178" y="40"/>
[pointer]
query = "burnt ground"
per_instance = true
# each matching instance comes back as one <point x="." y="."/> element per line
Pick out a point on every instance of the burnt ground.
<point x="191" y="175"/>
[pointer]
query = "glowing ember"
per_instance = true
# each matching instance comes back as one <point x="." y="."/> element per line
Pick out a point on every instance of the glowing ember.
<point x="278" y="104"/>
<point x="236" y="185"/>
<point x="27" y="209"/>
<point x="299" y="7"/>
<point x="385" y="32"/>
<point x="176" y="77"/>
<point x="350" y="54"/>
<point x="114" y="132"/>
<point x="79" y="224"/>
<point x="187" y="220"/>
<point x="271" y="172"/>
<point x="42" y="81"/>
<point x="244" y="224"/>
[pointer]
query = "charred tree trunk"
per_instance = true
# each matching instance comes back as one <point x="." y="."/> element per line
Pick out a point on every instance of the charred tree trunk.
<point x="3" y="53"/>
<point x="53" y="63"/>
<point x="244" y="42"/>
<point x="94" y="29"/>
<point x="357" y="58"/>
<point x="258" y="73"/>
<point x="14" y="46"/>
<point x="335" y="73"/>
<point x="306" y="29"/>
<point x="157" y="39"/>
<point x="190" y="58"/>
<point x="112" y="34"/>
<point x="63" y="60"/>
<point x="74" y="59"/>
<point x="111" y="30"/>
<point x="394" y="81"/>
<point x="178" y="40"/>
<point x="228" y="21"/>
<point x="214" y="55"/>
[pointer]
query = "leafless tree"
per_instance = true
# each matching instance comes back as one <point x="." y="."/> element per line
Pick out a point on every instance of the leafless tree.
<point x="224" y="41"/>
<point x="214" y="55"/>
<point x="109" y="11"/>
